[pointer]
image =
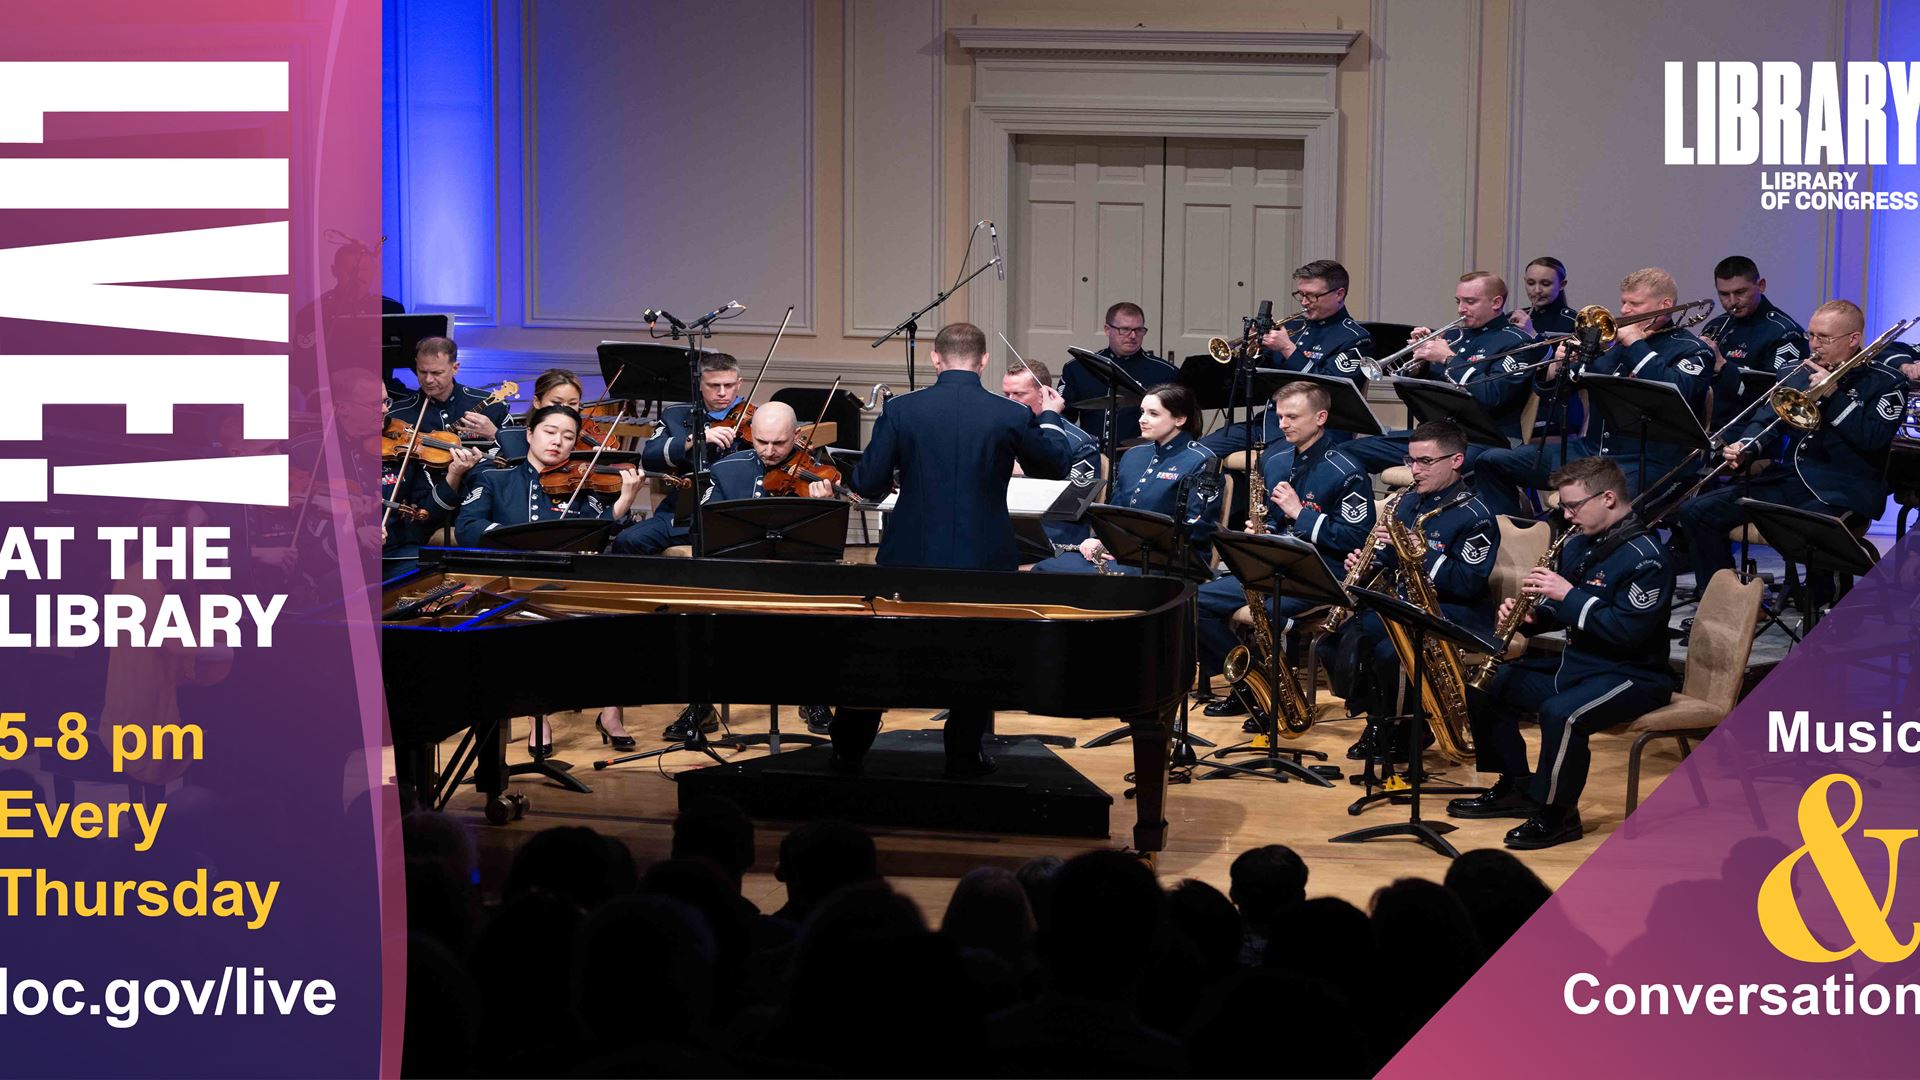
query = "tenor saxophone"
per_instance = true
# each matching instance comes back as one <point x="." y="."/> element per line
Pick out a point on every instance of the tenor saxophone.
<point x="1363" y="573"/>
<point x="1523" y="606"/>
<point x="1247" y="668"/>
<point x="1443" y="687"/>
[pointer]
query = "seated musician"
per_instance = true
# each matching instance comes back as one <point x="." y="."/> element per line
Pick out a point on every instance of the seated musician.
<point x="1126" y="327"/>
<point x="1314" y="492"/>
<point x="954" y="445"/>
<point x="1547" y="310"/>
<point x="1612" y="592"/>
<point x="1461" y="542"/>
<point x="1646" y="350"/>
<point x="671" y="449"/>
<point x="1751" y="334"/>
<point x="449" y="405"/>
<point x="514" y="497"/>
<point x="1022" y="383"/>
<point x="1838" y="469"/>
<point x="1328" y="342"/>
<point x="1169" y="474"/>
<point x="554" y="386"/>
<point x="1458" y="356"/>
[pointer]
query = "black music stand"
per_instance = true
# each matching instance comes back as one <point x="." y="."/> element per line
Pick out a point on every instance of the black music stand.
<point x="784" y="529"/>
<point x="400" y="337"/>
<point x="1276" y="566"/>
<point x="1419" y="626"/>
<point x="1815" y="541"/>
<point x="1427" y="399"/>
<point x="1649" y="411"/>
<point x="563" y="534"/>
<point x="644" y="371"/>
<point x="1349" y="411"/>
<point x="1122" y="389"/>
<point x="1156" y="544"/>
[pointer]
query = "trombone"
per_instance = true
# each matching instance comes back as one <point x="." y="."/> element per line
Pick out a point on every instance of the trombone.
<point x="1391" y="364"/>
<point x="1226" y="353"/>
<point x="1595" y="327"/>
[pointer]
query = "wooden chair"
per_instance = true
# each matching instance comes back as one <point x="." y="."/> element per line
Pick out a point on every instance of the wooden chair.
<point x="1717" y="654"/>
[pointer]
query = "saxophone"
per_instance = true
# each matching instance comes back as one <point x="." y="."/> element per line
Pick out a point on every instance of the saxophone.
<point x="1443" y="688"/>
<point x="1247" y="668"/>
<point x="1523" y="606"/>
<point x="1363" y="572"/>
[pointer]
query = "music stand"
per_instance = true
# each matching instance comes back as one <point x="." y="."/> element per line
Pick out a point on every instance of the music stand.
<point x="1156" y="544"/>
<point x="644" y="371"/>
<point x="400" y="337"/>
<point x="1815" y="541"/>
<point x="1427" y="399"/>
<point x="1651" y="411"/>
<point x="784" y="529"/>
<point x="1276" y="566"/>
<point x="1349" y="411"/>
<point x="1122" y="389"/>
<point x="1419" y="626"/>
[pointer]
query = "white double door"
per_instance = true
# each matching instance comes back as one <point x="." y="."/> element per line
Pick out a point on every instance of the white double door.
<point x="1195" y="231"/>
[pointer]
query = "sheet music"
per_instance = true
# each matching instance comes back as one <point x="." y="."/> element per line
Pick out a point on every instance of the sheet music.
<point x="1026" y="496"/>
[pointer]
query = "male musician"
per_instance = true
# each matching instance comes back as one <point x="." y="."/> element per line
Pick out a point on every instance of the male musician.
<point x="1612" y="592"/>
<point x="1459" y="356"/>
<point x="671" y="449"/>
<point x="1752" y="334"/>
<point x="1547" y="311"/>
<point x="1328" y="342"/>
<point x="1653" y="350"/>
<point x="1316" y="493"/>
<point x="1838" y="469"/>
<point x="514" y="497"/>
<point x="450" y="406"/>
<point x="954" y="445"/>
<point x="1022" y="382"/>
<point x="1460" y="542"/>
<point x="1126" y="326"/>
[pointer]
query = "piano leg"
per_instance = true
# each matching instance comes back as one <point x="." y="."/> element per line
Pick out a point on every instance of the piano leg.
<point x="1152" y="738"/>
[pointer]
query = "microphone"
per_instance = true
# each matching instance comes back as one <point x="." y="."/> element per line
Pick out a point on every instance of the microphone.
<point x="653" y="314"/>
<point x="707" y="319"/>
<point x="999" y="264"/>
<point x="1264" y="320"/>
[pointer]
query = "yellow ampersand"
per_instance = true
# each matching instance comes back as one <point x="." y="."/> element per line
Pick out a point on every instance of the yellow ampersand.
<point x="1866" y="918"/>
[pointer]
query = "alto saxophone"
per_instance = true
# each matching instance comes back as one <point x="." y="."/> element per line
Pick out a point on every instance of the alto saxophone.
<point x="1247" y="668"/>
<point x="1363" y="572"/>
<point x="1443" y="687"/>
<point x="1523" y="606"/>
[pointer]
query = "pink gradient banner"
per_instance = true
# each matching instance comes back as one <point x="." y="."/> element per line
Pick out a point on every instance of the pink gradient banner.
<point x="1747" y="919"/>
<point x="189" y="220"/>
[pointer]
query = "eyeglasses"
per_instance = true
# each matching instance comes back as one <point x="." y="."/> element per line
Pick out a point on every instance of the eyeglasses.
<point x="1573" y="508"/>
<point x="1129" y="331"/>
<point x="1828" y="339"/>
<point x="1424" y="462"/>
<point x="1309" y="297"/>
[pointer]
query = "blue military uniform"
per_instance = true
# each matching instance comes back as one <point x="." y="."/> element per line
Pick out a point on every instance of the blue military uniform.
<point x="953" y="445"/>
<point x="1462" y="544"/>
<point x="1614" y="667"/>
<point x="442" y="415"/>
<point x="1078" y="382"/>
<point x="1332" y="346"/>
<point x="667" y="451"/>
<point x="1675" y="357"/>
<point x="1766" y="340"/>
<point x="1551" y="319"/>
<point x="1156" y="479"/>
<point x="1336" y="516"/>
<point x="513" y="497"/>
<point x="1837" y="469"/>
<point x="1492" y="385"/>
<point x="1555" y="317"/>
<point x="426" y="489"/>
<point x="1083" y="468"/>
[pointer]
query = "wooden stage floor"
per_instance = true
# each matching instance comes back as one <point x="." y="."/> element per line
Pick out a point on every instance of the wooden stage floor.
<point x="1210" y="822"/>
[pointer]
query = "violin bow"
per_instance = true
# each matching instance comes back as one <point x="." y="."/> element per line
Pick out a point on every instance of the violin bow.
<point x="591" y="462"/>
<point x="768" y="362"/>
<point x="400" y="475"/>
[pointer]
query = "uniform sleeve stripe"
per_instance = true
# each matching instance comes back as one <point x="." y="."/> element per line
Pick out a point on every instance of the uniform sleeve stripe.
<point x="1581" y="622"/>
<point x="1437" y="564"/>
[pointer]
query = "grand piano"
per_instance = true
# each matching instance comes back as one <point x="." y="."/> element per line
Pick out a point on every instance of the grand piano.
<point x="542" y="632"/>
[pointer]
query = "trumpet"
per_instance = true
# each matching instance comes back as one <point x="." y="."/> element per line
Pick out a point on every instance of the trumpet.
<point x="1226" y="353"/>
<point x="1391" y="365"/>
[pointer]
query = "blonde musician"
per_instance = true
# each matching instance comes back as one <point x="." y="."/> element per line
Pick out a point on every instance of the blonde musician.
<point x="1611" y="591"/>
<point x="1461" y="543"/>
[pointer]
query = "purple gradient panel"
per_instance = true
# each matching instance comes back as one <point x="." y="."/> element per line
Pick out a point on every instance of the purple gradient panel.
<point x="1672" y="896"/>
<point x="291" y="787"/>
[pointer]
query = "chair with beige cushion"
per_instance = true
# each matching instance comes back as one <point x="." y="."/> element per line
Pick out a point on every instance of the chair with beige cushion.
<point x="1717" y="654"/>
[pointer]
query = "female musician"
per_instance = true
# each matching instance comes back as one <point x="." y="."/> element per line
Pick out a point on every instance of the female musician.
<point x="515" y="497"/>
<point x="1170" y="473"/>
<point x="554" y="386"/>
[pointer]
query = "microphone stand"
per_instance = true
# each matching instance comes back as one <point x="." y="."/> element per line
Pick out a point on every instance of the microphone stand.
<point x="911" y="324"/>
<point x="698" y="428"/>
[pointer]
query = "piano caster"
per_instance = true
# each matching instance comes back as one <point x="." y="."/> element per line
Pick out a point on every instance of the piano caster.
<point x="504" y="808"/>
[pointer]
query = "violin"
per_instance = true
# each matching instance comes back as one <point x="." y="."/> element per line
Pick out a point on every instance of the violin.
<point x="801" y="470"/>
<point x="434" y="449"/>
<point x="601" y="479"/>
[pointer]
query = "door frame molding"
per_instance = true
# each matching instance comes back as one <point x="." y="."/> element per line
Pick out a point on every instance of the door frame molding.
<point x="1219" y="84"/>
